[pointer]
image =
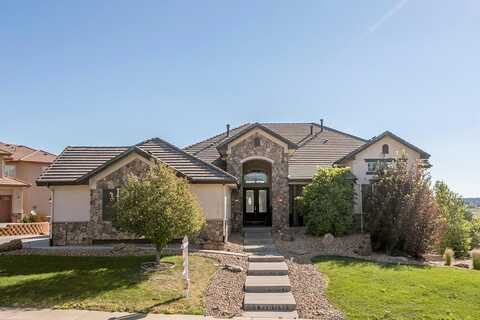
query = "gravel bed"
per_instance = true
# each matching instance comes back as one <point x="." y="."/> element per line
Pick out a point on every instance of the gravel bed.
<point x="224" y="295"/>
<point x="308" y="286"/>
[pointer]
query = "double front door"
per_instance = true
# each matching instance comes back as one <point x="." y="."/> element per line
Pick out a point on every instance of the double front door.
<point x="256" y="206"/>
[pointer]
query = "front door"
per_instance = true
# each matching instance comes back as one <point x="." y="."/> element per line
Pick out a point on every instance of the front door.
<point x="256" y="206"/>
<point x="5" y="208"/>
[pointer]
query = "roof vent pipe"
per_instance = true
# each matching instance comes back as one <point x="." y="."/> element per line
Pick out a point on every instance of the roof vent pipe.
<point x="228" y="130"/>
<point x="311" y="129"/>
<point x="321" y="125"/>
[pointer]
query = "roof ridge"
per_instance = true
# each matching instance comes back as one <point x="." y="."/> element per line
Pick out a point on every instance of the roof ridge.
<point x="215" y="136"/>
<point x="198" y="159"/>
<point x="341" y="132"/>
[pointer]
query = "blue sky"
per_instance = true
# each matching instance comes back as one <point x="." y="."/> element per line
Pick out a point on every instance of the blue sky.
<point x="117" y="72"/>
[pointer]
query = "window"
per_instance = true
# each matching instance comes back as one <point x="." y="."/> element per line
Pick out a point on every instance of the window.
<point x="10" y="171"/>
<point x="373" y="165"/>
<point x="385" y="149"/>
<point x="367" y="190"/>
<point x="109" y="198"/>
<point x="256" y="142"/>
<point x="255" y="177"/>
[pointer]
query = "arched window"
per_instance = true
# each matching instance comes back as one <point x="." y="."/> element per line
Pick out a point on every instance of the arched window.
<point x="385" y="149"/>
<point x="255" y="177"/>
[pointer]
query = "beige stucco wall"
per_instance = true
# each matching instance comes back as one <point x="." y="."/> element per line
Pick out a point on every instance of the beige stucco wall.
<point x="359" y="166"/>
<point x="71" y="203"/>
<point x="211" y="198"/>
<point x="34" y="196"/>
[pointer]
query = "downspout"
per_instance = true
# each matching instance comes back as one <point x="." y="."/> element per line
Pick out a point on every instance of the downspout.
<point x="52" y="211"/>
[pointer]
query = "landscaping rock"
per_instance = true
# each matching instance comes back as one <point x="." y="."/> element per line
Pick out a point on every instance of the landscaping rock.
<point x="287" y="237"/>
<point x="15" y="244"/>
<point x="233" y="268"/>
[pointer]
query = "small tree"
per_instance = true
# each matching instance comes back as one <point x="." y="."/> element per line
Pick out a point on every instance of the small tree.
<point x="159" y="207"/>
<point x="475" y="233"/>
<point x="403" y="216"/>
<point x="456" y="230"/>
<point x="328" y="202"/>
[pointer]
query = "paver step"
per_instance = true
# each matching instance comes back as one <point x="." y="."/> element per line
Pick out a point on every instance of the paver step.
<point x="269" y="302"/>
<point x="257" y="229"/>
<point x="266" y="258"/>
<point x="267" y="284"/>
<point x="267" y="269"/>
<point x="257" y="241"/>
<point x="271" y="314"/>
<point x="257" y="248"/>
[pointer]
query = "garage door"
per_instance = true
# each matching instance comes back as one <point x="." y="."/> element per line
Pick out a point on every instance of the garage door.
<point x="5" y="208"/>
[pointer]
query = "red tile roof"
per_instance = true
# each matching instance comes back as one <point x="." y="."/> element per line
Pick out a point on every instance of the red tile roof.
<point x="12" y="182"/>
<point x="26" y="154"/>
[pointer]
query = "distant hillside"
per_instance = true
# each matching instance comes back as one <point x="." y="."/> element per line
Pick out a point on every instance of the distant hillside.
<point x="473" y="202"/>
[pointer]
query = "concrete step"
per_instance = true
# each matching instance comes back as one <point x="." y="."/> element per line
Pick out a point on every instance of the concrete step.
<point x="269" y="302"/>
<point x="267" y="269"/>
<point x="258" y="235"/>
<point x="257" y="229"/>
<point x="250" y="241"/>
<point x="260" y="248"/>
<point x="270" y="315"/>
<point x="267" y="284"/>
<point x="266" y="258"/>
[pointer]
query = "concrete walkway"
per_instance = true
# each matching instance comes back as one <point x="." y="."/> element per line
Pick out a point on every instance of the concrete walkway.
<point x="49" y="314"/>
<point x="267" y="287"/>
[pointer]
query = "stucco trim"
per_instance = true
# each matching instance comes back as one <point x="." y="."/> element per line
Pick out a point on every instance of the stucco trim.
<point x="256" y="158"/>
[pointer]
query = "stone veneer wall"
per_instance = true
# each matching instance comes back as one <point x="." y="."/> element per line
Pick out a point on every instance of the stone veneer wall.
<point x="279" y="190"/>
<point x="83" y="233"/>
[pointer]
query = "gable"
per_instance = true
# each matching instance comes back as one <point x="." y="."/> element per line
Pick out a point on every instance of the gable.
<point x="257" y="132"/>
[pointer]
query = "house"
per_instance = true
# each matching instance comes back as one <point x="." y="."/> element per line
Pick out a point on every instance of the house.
<point x="244" y="176"/>
<point x="20" y="166"/>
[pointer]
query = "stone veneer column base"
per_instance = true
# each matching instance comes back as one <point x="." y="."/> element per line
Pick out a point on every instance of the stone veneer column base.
<point x="213" y="231"/>
<point x="70" y="233"/>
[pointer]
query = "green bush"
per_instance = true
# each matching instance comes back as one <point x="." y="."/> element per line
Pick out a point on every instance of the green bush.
<point x="475" y="233"/>
<point x="328" y="202"/>
<point x="476" y="259"/>
<point x="448" y="256"/>
<point x="456" y="228"/>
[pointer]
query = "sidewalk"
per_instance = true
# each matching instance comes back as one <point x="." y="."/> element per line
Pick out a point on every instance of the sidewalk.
<point x="49" y="314"/>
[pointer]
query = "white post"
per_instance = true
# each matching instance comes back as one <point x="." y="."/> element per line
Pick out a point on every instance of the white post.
<point x="185" y="275"/>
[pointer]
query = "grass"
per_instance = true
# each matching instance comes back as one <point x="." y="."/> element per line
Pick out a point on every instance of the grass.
<point x="102" y="283"/>
<point x="367" y="290"/>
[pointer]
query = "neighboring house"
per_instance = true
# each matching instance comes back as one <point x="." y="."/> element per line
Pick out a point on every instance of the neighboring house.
<point x="26" y="164"/>
<point x="249" y="175"/>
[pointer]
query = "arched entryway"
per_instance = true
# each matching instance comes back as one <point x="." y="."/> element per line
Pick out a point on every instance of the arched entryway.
<point x="256" y="185"/>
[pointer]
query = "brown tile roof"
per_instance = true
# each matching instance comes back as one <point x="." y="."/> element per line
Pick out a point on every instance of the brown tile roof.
<point x="12" y="182"/>
<point x="76" y="164"/>
<point x="26" y="154"/>
<point x="313" y="147"/>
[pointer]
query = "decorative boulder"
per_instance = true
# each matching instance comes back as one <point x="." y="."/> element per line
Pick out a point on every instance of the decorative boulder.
<point x="233" y="268"/>
<point x="328" y="239"/>
<point x="287" y="237"/>
<point x="15" y="244"/>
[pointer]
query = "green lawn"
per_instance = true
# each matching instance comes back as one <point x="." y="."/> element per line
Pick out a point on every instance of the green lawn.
<point x="101" y="283"/>
<point x="366" y="290"/>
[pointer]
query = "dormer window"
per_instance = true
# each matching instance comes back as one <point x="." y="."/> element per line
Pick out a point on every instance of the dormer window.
<point x="385" y="149"/>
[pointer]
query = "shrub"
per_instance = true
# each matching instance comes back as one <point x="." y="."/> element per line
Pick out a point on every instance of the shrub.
<point x="448" y="256"/>
<point x="328" y="202"/>
<point x="476" y="259"/>
<point x="403" y="216"/>
<point x="159" y="207"/>
<point x="475" y="233"/>
<point x="456" y="228"/>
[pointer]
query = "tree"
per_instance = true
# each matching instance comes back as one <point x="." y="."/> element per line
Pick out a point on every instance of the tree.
<point x="456" y="231"/>
<point x="328" y="202"/>
<point x="403" y="216"/>
<point x="159" y="207"/>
